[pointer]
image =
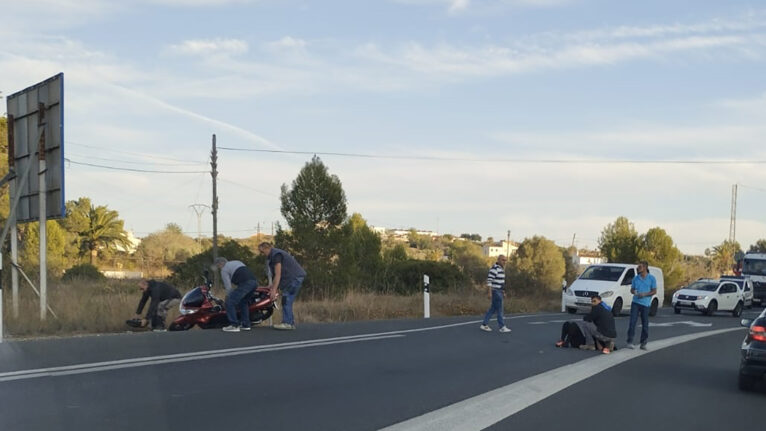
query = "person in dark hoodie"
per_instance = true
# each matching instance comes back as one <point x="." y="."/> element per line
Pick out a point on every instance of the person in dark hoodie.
<point x="164" y="297"/>
<point x="596" y="330"/>
<point x="601" y="317"/>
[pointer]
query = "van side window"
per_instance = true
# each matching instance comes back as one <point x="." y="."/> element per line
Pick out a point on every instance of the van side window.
<point x="727" y="288"/>
<point x="629" y="274"/>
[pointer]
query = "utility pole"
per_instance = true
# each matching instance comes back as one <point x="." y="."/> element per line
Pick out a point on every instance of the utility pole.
<point x="258" y="233"/>
<point x="733" y="221"/>
<point x="214" y="174"/>
<point x="199" y="209"/>
<point x="574" y="235"/>
<point x="508" y="244"/>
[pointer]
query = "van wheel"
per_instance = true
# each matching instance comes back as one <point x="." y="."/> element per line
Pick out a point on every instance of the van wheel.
<point x="737" y="310"/>
<point x="617" y="307"/>
<point x="572" y="310"/>
<point x="653" y="308"/>
<point x="712" y="308"/>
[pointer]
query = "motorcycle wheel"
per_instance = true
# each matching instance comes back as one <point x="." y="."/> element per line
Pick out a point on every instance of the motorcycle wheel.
<point x="258" y="316"/>
<point x="180" y="326"/>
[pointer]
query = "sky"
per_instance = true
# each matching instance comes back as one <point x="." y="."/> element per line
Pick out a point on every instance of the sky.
<point x="458" y="100"/>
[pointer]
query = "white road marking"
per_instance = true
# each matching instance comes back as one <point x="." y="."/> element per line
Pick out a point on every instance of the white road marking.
<point x="210" y="354"/>
<point x="547" y="321"/>
<point x="683" y="322"/>
<point x="485" y="410"/>
<point x="179" y="357"/>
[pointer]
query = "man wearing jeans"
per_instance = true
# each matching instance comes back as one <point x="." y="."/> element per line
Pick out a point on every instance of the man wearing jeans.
<point x="235" y="272"/>
<point x="287" y="276"/>
<point x="643" y="287"/>
<point x="496" y="285"/>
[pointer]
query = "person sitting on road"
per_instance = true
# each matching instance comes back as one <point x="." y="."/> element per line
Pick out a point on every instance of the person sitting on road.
<point x="601" y="317"/>
<point x="164" y="297"/>
<point x="596" y="330"/>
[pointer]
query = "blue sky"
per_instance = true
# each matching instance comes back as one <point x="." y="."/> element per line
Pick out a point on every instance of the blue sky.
<point x="149" y="81"/>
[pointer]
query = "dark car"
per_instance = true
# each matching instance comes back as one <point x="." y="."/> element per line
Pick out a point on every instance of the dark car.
<point x="752" y="367"/>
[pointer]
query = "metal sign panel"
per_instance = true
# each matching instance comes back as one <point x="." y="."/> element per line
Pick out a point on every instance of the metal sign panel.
<point x="36" y="120"/>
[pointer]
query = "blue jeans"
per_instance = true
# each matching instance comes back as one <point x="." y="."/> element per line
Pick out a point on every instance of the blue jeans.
<point x="496" y="307"/>
<point x="289" y="293"/>
<point x="635" y="310"/>
<point x="238" y="299"/>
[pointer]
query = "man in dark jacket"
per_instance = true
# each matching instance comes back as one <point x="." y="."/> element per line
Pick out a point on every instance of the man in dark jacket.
<point x="601" y="316"/>
<point x="285" y="274"/>
<point x="164" y="297"/>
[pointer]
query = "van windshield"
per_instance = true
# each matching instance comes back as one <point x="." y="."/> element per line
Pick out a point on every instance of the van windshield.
<point x="703" y="285"/>
<point x="754" y="266"/>
<point x="602" y="273"/>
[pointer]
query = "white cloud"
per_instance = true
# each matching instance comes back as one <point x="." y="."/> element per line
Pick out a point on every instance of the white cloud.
<point x="287" y="42"/>
<point x="210" y="47"/>
<point x="458" y="6"/>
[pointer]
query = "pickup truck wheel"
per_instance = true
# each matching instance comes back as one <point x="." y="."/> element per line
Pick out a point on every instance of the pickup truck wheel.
<point x="737" y="310"/>
<point x="712" y="308"/>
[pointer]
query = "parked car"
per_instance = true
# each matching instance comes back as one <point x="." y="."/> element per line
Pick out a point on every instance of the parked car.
<point x="612" y="282"/>
<point x="745" y="284"/>
<point x="752" y="365"/>
<point x="708" y="296"/>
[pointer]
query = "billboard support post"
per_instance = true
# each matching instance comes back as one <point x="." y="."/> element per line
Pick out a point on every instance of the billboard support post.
<point x="41" y="187"/>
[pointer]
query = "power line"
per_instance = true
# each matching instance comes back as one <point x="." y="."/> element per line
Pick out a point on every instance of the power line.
<point x="249" y="187"/>
<point x="530" y="161"/>
<point x="132" y="162"/>
<point x="132" y="169"/>
<point x="752" y="188"/>
<point x="154" y="156"/>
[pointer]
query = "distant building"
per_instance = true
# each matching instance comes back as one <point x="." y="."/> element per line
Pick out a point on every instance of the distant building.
<point x="132" y="245"/>
<point x="588" y="257"/>
<point x="503" y="247"/>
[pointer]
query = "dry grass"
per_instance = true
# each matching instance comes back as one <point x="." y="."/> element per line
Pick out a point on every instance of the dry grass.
<point x="87" y="307"/>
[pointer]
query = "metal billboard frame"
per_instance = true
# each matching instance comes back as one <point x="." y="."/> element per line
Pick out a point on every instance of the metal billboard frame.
<point x="35" y="123"/>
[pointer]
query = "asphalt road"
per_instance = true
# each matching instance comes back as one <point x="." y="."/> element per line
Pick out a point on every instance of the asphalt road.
<point x="372" y="375"/>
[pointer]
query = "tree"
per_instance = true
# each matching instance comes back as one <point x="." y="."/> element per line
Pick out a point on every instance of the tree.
<point x="758" y="247"/>
<point x="359" y="260"/>
<point x="619" y="241"/>
<point x="315" y="209"/>
<point x="722" y="256"/>
<point x="468" y="256"/>
<point x="537" y="267"/>
<point x="571" y="269"/>
<point x="167" y="246"/>
<point x="29" y="250"/>
<point x="97" y="228"/>
<point x="657" y="248"/>
<point x="471" y="236"/>
<point x="188" y="274"/>
<point x="4" y="191"/>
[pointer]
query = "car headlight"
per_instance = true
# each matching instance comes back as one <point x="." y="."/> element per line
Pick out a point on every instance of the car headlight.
<point x="702" y="298"/>
<point x="607" y="294"/>
<point x="675" y="295"/>
<point x="569" y="292"/>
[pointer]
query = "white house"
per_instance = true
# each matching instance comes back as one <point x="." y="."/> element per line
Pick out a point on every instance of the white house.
<point x="588" y="257"/>
<point x="504" y="247"/>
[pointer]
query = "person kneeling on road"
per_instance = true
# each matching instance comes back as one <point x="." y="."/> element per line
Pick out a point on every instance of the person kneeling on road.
<point x="164" y="297"/>
<point x="595" y="331"/>
<point x="237" y="299"/>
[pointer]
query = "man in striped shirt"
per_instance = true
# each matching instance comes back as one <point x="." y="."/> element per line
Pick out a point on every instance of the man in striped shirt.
<point x="496" y="285"/>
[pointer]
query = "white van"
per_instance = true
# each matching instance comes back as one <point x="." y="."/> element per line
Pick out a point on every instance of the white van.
<point x="612" y="282"/>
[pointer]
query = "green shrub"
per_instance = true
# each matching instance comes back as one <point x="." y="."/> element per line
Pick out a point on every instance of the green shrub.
<point x="188" y="274"/>
<point x="84" y="271"/>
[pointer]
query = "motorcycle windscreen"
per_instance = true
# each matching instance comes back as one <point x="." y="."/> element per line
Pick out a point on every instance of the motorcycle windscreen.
<point x="193" y="298"/>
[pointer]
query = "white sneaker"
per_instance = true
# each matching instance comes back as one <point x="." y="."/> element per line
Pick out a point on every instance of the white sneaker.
<point x="505" y="329"/>
<point x="231" y="328"/>
<point x="245" y="328"/>
<point x="631" y="346"/>
<point x="485" y="328"/>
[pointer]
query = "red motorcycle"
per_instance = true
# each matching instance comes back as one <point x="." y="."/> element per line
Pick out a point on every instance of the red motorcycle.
<point x="200" y="307"/>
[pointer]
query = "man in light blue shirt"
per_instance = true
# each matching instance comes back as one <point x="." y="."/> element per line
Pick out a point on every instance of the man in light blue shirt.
<point x="643" y="287"/>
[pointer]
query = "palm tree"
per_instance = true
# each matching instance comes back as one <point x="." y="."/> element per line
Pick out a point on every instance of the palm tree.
<point x="97" y="227"/>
